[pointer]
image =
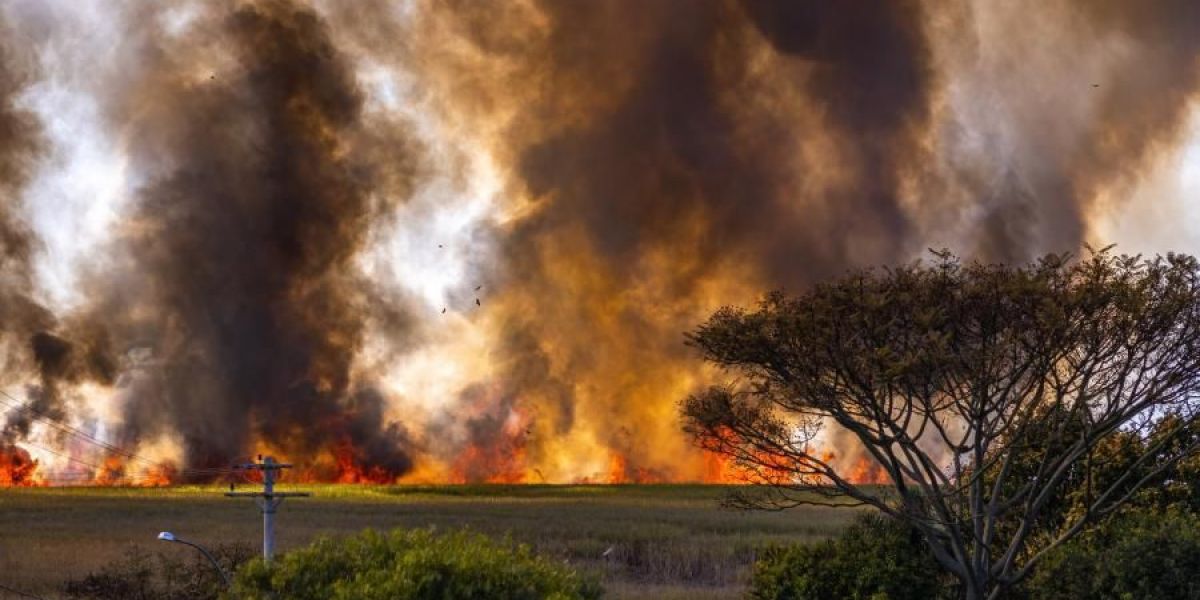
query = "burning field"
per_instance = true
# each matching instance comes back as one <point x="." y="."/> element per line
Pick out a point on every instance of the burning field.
<point x="457" y="242"/>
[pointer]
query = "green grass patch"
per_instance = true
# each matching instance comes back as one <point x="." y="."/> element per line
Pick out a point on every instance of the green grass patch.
<point x="663" y="537"/>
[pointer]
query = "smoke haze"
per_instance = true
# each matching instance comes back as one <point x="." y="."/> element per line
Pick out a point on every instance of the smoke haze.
<point x="460" y="241"/>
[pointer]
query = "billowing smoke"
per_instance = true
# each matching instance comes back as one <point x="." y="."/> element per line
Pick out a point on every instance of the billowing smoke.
<point x="231" y="297"/>
<point x="1056" y="109"/>
<point x="677" y="156"/>
<point x="21" y="316"/>
<point x="694" y="162"/>
<point x="612" y="171"/>
<point x="240" y="256"/>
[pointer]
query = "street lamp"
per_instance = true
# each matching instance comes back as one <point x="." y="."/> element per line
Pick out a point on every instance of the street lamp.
<point x="167" y="536"/>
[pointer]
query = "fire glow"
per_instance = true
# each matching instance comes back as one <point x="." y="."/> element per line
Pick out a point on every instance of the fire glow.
<point x="462" y="242"/>
<point x="18" y="469"/>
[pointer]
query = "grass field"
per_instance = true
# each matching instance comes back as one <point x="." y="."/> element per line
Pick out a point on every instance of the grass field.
<point x="669" y="541"/>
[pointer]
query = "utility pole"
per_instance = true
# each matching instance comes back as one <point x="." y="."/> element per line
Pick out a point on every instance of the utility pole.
<point x="268" y="500"/>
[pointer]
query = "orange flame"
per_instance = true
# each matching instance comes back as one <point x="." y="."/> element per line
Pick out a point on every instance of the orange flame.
<point x="478" y="464"/>
<point x="111" y="472"/>
<point x="115" y="471"/>
<point x="866" y="471"/>
<point x="335" y="464"/>
<point x="160" y="475"/>
<point x="349" y="471"/>
<point x="722" y="468"/>
<point x="18" y="469"/>
<point x="620" y="472"/>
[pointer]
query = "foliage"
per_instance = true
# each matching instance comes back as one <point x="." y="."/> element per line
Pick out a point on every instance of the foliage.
<point x="1139" y="555"/>
<point x="876" y="558"/>
<point x="412" y="565"/>
<point x="983" y="392"/>
<point x="1125" y="461"/>
<point x="140" y="575"/>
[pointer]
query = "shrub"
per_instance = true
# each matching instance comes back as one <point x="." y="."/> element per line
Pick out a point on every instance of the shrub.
<point x="1139" y="555"/>
<point x="412" y="565"/>
<point x="876" y="558"/>
<point x="140" y="575"/>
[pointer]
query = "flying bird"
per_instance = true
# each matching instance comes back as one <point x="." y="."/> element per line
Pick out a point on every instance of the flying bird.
<point x="443" y="310"/>
<point x="608" y="552"/>
<point x="477" y="302"/>
<point x="1095" y="85"/>
<point x="478" y="287"/>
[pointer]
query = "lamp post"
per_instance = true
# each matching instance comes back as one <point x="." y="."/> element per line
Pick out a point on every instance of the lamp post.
<point x="167" y="536"/>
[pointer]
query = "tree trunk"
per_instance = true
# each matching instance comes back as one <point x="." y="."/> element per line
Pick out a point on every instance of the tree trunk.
<point x="976" y="590"/>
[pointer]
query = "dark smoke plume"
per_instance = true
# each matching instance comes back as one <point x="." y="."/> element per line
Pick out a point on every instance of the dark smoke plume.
<point x="20" y="147"/>
<point x="60" y="364"/>
<point x="651" y="133"/>
<point x="238" y="293"/>
<point x="23" y="343"/>
<point x="794" y="140"/>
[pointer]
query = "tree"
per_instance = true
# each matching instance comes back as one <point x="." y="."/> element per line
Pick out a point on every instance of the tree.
<point x="1141" y="554"/>
<point x="949" y="375"/>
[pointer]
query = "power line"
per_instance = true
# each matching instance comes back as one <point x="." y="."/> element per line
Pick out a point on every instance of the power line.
<point x="44" y="418"/>
<point x="133" y="478"/>
<point x="66" y="456"/>
<point x="80" y="476"/>
<point x="81" y="435"/>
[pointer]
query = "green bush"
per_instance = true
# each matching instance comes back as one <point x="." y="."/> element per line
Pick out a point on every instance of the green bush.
<point x="412" y="565"/>
<point x="1139" y="555"/>
<point x="876" y="558"/>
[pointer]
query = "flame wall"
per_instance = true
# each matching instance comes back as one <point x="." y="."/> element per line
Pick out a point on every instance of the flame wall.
<point x="460" y="241"/>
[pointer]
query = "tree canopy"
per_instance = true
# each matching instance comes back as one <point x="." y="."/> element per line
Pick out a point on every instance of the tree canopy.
<point x="982" y="391"/>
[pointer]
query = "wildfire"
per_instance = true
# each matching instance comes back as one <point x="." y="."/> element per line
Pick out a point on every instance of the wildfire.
<point x="111" y="472"/>
<point x="504" y="463"/>
<point x="116" y="471"/>
<point x="159" y="475"/>
<point x="18" y="469"/>
<point x="351" y="471"/>
<point x="720" y="468"/>
<point x="458" y="260"/>
<point x="717" y="467"/>
<point x="338" y="464"/>
<point x="867" y="471"/>
<point x="620" y="472"/>
<point x="479" y="464"/>
<point x="723" y="469"/>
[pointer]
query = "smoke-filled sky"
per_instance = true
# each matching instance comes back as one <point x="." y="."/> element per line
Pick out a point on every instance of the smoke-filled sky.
<point x="461" y="241"/>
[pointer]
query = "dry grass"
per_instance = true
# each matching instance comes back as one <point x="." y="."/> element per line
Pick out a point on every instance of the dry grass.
<point x="668" y="540"/>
